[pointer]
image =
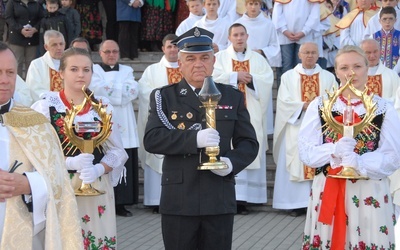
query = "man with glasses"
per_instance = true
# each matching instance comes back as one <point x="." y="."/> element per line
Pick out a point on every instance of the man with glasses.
<point x="117" y="83"/>
<point x="42" y="75"/>
<point x="299" y="87"/>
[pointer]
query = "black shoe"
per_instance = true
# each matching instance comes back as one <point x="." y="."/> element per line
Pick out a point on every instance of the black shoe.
<point x="122" y="211"/>
<point x="242" y="209"/>
<point x="298" y="212"/>
<point x="155" y="210"/>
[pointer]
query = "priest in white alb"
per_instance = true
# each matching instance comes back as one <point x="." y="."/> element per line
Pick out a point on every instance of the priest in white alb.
<point x="156" y="75"/>
<point x="250" y="73"/>
<point x="381" y="80"/>
<point x="298" y="88"/>
<point x="43" y="75"/>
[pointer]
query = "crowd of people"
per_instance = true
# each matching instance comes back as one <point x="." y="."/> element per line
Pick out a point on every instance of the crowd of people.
<point x="306" y="47"/>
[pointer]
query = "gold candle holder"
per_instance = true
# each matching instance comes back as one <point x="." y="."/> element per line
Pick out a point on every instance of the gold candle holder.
<point x="209" y="96"/>
<point x="87" y="146"/>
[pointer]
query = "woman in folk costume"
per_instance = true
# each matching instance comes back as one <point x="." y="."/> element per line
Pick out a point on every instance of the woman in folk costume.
<point x="352" y="25"/>
<point x="103" y="168"/>
<point x="352" y="213"/>
<point x="157" y="21"/>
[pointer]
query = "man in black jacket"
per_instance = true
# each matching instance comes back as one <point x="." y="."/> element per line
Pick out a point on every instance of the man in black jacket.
<point x="198" y="206"/>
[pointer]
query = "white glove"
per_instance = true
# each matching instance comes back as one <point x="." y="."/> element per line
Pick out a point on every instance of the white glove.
<point x="90" y="174"/>
<point x="344" y="146"/>
<point x="208" y="137"/>
<point x="79" y="162"/>
<point x="224" y="172"/>
<point x="350" y="160"/>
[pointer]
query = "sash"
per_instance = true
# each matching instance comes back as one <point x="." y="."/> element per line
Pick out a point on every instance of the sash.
<point x="288" y="1"/>
<point x="56" y="83"/>
<point x="309" y="90"/>
<point x="348" y="19"/>
<point x="173" y="75"/>
<point x="374" y="84"/>
<point x="244" y="66"/>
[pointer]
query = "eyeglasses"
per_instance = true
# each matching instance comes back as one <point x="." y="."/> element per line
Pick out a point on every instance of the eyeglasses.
<point x="313" y="53"/>
<point x="107" y="52"/>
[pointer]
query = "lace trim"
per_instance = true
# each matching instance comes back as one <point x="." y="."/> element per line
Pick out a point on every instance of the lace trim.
<point x="304" y="149"/>
<point x="55" y="101"/>
<point x="339" y="105"/>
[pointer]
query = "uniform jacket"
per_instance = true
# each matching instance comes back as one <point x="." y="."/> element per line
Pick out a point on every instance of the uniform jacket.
<point x="186" y="190"/>
<point x="17" y="15"/>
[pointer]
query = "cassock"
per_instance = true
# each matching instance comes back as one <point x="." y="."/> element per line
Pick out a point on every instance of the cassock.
<point x="227" y="8"/>
<point x="218" y="27"/>
<point x="155" y="76"/>
<point x="353" y="26"/>
<point x="43" y="76"/>
<point x="383" y="82"/>
<point x="293" y="181"/>
<point x="51" y="221"/>
<point x="187" y="24"/>
<point x="262" y="35"/>
<point x="251" y="182"/>
<point x="284" y="18"/>
<point x="374" y="26"/>
<point x="119" y="86"/>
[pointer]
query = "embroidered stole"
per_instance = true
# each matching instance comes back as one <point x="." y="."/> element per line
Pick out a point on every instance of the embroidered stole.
<point x="174" y="75"/>
<point x="245" y="67"/>
<point x="27" y="128"/>
<point x="309" y="90"/>
<point x="56" y="83"/>
<point x="374" y="84"/>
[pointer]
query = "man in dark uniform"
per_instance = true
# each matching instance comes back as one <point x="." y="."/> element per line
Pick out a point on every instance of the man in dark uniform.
<point x="198" y="206"/>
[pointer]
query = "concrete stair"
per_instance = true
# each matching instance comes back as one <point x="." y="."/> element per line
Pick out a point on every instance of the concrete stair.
<point x="147" y="58"/>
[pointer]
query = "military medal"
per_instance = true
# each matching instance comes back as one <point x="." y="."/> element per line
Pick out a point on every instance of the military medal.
<point x="181" y="126"/>
<point x="174" y="116"/>
<point x="189" y="115"/>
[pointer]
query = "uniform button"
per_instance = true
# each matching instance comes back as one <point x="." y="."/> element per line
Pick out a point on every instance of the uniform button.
<point x="29" y="43"/>
<point x="226" y="116"/>
<point x="188" y="155"/>
<point x="167" y="179"/>
<point x="203" y="120"/>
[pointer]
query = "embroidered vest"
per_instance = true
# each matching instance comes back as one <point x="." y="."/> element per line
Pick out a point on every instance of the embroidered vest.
<point x="363" y="145"/>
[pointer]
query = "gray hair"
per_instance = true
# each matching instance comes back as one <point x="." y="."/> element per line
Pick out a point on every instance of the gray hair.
<point x="52" y="34"/>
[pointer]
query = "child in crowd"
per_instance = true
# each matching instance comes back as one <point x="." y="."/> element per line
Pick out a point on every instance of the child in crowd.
<point x="374" y="24"/>
<point x="389" y="38"/>
<point x="213" y="23"/>
<point x="54" y="20"/>
<point x="72" y="16"/>
<point x="196" y="13"/>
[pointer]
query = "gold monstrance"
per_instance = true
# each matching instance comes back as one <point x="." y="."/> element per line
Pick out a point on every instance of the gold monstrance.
<point x="348" y="128"/>
<point x="209" y="95"/>
<point x="103" y="129"/>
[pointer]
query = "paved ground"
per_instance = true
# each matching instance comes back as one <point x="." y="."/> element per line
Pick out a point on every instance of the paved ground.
<point x="263" y="228"/>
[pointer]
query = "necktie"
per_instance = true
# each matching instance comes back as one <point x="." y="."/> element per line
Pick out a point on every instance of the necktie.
<point x="5" y="108"/>
<point x="197" y="91"/>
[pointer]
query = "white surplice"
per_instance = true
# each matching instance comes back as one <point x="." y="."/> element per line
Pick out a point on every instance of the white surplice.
<point x="296" y="16"/>
<point x="251" y="182"/>
<point x="121" y="89"/>
<point x="155" y="76"/>
<point x="218" y="27"/>
<point x="187" y="24"/>
<point x="290" y="190"/>
<point x="353" y="34"/>
<point x="262" y="35"/>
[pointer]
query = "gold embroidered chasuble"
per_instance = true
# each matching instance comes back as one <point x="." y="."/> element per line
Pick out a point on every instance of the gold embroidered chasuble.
<point x="244" y="66"/>
<point x="174" y="75"/>
<point x="56" y="83"/>
<point x="34" y="143"/>
<point x="309" y="90"/>
<point x="374" y="84"/>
